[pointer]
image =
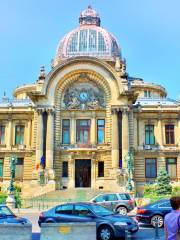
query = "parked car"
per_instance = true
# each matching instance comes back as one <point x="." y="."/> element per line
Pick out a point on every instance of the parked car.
<point x="154" y="212"/>
<point x="118" y="202"/>
<point x="7" y="216"/>
<point x="108" y="224"/>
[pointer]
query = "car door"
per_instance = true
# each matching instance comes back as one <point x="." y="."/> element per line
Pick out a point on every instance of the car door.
<point x="64" y="213"/>
<point x="83" y="214"/>
<point x="165" y="207"/>
<point x="101" y="199"/>
<point x="111" y="201"/>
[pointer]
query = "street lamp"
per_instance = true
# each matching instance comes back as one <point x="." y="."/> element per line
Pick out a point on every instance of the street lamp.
<point x="130" y="168"/>
<point x="10" y="201"/>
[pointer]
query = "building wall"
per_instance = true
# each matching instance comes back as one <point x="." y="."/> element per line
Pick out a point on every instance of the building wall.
<point x="118" y="99"/>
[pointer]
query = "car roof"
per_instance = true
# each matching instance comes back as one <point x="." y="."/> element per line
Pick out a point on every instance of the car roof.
<point x="74" y="203"/>
<point x="156" y="202"/>
<point x="110" y="193"/>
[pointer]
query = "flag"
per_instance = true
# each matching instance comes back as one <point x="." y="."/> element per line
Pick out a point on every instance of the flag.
<point x="37" y="165"/>
<point x="42" y="163"/>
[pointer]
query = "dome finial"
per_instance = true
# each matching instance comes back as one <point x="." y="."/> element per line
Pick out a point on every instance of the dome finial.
<point x="89" y="17"/>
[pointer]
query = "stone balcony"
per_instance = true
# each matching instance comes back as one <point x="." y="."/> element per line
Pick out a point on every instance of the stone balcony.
<point x="83" y="147"/>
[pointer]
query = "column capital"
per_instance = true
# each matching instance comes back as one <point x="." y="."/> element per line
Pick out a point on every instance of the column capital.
<point x="114" y="110"/>
<point x="50" y="111"/>
<point x="40" y="110"/>
<point x="125" y="110"/>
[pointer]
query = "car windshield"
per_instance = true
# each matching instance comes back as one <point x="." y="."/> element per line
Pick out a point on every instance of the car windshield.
<point x="101" y="211"/>
<point x="5" y="211"/>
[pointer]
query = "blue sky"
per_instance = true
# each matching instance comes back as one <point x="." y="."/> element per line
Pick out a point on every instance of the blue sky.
<point x="148" y="32"/>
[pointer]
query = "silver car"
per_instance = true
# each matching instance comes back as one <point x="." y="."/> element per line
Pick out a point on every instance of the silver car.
<point x="118" y="202"/>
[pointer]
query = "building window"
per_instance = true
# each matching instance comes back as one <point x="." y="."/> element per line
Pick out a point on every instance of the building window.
<point x="66" y="131"/>
<point x="65" y="169"/>
<point x="150" y="168"/>
<point x="101" y="169"/>
<point x="19" y="168"/>
<point x="83" y="131"/>
<point x="2" y="135"/>
<point x="100" y="130"/>
<point x="1" y="167"/>
<point x="19" y="135"/>
<point x="171" y="167"/>
<point x="149" y="135"/>
<point x="169" y="132"/>
<point x="147" y="94"/>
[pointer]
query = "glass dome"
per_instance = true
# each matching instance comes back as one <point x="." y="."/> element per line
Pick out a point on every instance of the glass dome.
<point x="89" y="39"/>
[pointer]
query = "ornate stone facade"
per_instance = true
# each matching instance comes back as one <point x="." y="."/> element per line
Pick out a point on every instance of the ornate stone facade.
<point x="85" y="117"/>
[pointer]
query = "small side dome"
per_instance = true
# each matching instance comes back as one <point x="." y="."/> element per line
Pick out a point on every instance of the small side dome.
<point x="89" y="39"/>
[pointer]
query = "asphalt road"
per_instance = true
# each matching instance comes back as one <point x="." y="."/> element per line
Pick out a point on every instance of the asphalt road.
<point x="145" y="232"/>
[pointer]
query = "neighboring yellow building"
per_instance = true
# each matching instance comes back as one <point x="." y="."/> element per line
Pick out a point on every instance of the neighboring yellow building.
<point x="84" y="117"/>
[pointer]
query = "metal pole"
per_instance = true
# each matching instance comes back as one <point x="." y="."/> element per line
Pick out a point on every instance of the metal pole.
<point x="156" y="230"/>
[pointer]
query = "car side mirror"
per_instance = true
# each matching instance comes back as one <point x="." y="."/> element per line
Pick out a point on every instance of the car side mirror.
<point x="94" y="201"/>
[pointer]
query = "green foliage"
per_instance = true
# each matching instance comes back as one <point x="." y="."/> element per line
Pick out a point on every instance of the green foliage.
<point x="163" y="183"/>
<point x="17" y="196"/>
<point x="176" y="191"/>
<point x="3" y="197"/>
<point x="149" y="189"/>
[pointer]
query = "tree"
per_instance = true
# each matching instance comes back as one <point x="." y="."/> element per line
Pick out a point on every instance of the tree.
<point x="163" y="183"/>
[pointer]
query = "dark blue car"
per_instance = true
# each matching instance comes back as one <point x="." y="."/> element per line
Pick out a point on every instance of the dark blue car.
<point x="154" y="212"/>
<point x="109" y="224"/>
<point x="7" y="216"/>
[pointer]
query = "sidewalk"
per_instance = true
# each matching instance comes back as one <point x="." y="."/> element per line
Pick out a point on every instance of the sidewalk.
<point x="26" y="210"/>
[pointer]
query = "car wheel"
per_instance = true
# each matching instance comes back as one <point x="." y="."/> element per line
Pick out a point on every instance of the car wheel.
<point x="159" y="219"/>
<point x="105" y="233"/>
<point x="122" y="210"/>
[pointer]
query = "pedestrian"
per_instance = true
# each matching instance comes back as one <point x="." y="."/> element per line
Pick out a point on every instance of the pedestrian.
<point x="172" y="220"/>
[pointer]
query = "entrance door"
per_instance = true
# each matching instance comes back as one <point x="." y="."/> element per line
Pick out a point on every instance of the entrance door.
<point x="83" y="173"/>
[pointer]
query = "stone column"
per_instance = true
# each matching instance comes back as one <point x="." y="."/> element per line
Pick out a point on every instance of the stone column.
<point x="28" y="138"/>
<point x="73" y="129"/>
<point x="71" y="178"/>
<point x="39" y="138"/>
<point x="93" y="171"/>
<point x="159" y="133"/>
<point x="178" y="167"/>
<point x="135" y="132"/>
<point x="125" y="136"/>
<point x="93" y="129"/>
<point x="50" y="140"/>
<point x="178" y="131"/>
<point x="9" y="139"/>
<point x="115" y="139"/>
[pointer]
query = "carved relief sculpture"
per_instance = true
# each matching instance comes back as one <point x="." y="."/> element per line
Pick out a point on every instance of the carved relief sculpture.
<point x="84" y="96"/>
